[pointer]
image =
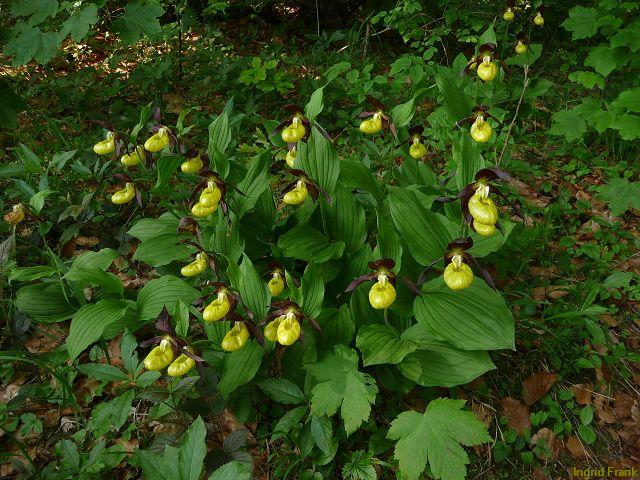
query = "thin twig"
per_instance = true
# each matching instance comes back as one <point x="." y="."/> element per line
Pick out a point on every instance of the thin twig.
<point x="366" y="42"/>
<point x="515" y="116"/>
<point x="318" y="17"/>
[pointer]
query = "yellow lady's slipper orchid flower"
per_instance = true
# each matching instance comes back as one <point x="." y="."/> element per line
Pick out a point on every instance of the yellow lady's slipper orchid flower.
<point x="236" y="338"/>
<point x="196" y="267"/>
<point x="482" y="208"/>
<point x="372" y="125"/>
<point x="276" y="284"/>
<point x="181" y="365"/>
<point x="133" y="158"/>
<point x="291" y="157"/>
<point x="484" y="230"/>
<point x="211" y="195"/>
<point x="157" y="141"/>
<point x="382" y="294"/>
<point x="218" y="308"/>
<point x="271" y="329"/>
<point x="105" y="147"/>
<point x="458" y="275"/>
<point x="481" y="130"/>
<point x="125" y="195"/>
<point x="297" y="195"/>
<point x="521" y="48"/>
<point x="417" y="149"/>
<point x="487" y="70"/>
<point x="508" y="14"/>
<point x="538" y="19"/>
<point x="193" y="165"/>
<point x="16" y="215"/>
<point x="289" y="329"/>
<point x="160" y="356"/>
<point x="199" y="210"/>
<point x="294" y="132"/>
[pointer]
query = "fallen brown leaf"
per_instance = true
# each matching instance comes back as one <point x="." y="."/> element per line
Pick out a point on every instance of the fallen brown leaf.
<point x="622" y="405"/>
<point x="582" y="393"/>
<point x="516" y="413"/>
<point x="551" y="449"/>
<point x="536" y="386"/>
<point x="575" y="447"/>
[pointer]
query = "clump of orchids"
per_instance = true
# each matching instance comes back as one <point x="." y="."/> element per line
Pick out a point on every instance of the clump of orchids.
<point x="298" y="190"/>
<point x="170" y="352"/>
<point x="481" y="130"/>
<point x="376" y="120"/>
<point x="383" y="292"/>
<point x="458" y="274"/>
<point x="283" y="325"/>
<point x="485" y="63"/>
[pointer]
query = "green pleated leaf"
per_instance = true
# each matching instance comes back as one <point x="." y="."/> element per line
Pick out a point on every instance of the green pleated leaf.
<point x="282" y="391"/>
<point x="101" y="259"/>
<point x="254" y="183"/>
<point x="354" y="174"/>
<point x="345" y="219"/>
<point x="444" y="366"/>
<point x="253" y="289"/>
<point x="483" y="246"/>
<point x="312" y="291"/>
<point x="457" y="104"/>
<point x="467" y="156"/>
<point x="389" y="244"/>
<point x="380" y="344"/>
<point x="420" y="229"/>
<point x="148" y="228"/>
<point x="166" y="290"/>
<point x="337" y="326"/>
<point x="90" y="321"/>
<point x="240" y="367"/>
<point x="315" y="105"/>
<point x="27" y="274"/>
<point x="306" y="243"/>
<point x="402" y="114"/>
<point x="192" y="451"/>
<point x="162" y="250"/>
<point x="94" y="276"/>
<point x="44" y="302"/>
<point x="476" y="318"/>
<point x="166" y="166"/>
<point x="320" y="161"/>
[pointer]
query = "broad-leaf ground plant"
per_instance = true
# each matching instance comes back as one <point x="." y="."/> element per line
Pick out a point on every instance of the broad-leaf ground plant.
<point x="323" y="271"/>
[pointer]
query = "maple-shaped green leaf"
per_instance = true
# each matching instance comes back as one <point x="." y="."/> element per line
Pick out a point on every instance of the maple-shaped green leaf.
<point x="568" y="123"/>
<point x="584" y="22"/>
<point x="342" y="386"/>
<point x="605" y="60"/>
<point x="621" y="195"/>
<point x="587" y="79"/>
<point x="626" y="37"/>
<point x="628" y="126"/>
<point x="436" y="437"/>
<point x="140" y="16"/>
<point x="629" y="100"/>
<point x="37" y="10"/>
<point x="30" y="42"/>
<point x="79" y="23"/>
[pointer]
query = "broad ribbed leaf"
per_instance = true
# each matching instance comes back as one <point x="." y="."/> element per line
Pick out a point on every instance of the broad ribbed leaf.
<point x="312" y="290"/>
<point x="253" y="290"/>
<point x="148" y="228"/>
<point x="306" y="243"/>
<point x="252" y="185"/>
<point x="442" y="365"/>
<point x="240" y="367"/>
<point x="166" y="290"/>
<point x="44" y="302"/>
<point x="90" y="321"/>
<point x="320" y="161"/>
<point x="456" y="102"/>
<point x="475" y="318"/>
<point x="420" y="229"/>
<point x="192" y="451"/>
<point x="282" y="391"/>
<point x="101" y="259"/>
<point x="337" y="326"/>
<point x="166" y="166"/>
<point x="315" y="105"/>
<point x="94" y="276"/>
<point x="345" y="219"/>
<point x="380" y="344"/>
<point x="162" y="250"/>
<point x="467" y="156"/>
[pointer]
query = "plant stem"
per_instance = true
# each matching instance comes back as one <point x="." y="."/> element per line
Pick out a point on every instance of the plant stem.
<point x="515" y="116"/>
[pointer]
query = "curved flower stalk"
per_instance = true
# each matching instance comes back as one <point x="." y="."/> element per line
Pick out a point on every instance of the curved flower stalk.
<point x="458" y="274"/>
<point x="283" y="325"/>
<point x="485" y="63"/>
<point x="297" y="191"/>
<point x="376" y="120"/>
<point x="170" y="350"/>
<point x="481" y="130"/>
<point x="383" y="292"/>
